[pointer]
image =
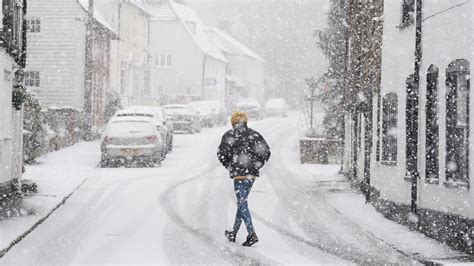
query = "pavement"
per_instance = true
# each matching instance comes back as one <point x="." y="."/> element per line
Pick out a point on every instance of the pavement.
<point x="177" y="213"/>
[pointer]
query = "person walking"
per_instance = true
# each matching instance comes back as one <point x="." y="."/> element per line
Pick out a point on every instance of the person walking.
<point x="243" y="151"/>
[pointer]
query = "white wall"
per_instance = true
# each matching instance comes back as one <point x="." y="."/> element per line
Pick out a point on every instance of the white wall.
<point x="215" y="69"/>
<point x="250" y="70"/>
<point x="6" y="123"/>
<point x="134" y="50"/>
<point x="186" y="71"/>
<point x="109" y="9"/>
<point x="397" y="65"/>
<point x="58" y="52"/>
<point x="446" y="36"/>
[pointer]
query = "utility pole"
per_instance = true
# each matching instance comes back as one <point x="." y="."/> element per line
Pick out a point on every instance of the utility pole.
<point x="413" y="138"/>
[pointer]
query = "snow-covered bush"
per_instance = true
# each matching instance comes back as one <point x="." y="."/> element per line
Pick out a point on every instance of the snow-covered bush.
<point x="34" y="132"/>
<point x="64" y="127"/>
<point x="113" y="104"/>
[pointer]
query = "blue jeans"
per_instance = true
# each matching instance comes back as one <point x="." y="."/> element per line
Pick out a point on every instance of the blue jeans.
<point x="242" y="189"/>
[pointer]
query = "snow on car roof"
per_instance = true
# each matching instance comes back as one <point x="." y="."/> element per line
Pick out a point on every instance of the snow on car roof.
<point x="248" y="102"/>
<point x="275" y="102"/>
<point x="169" y="106"/>
<point x="131" y="118"/>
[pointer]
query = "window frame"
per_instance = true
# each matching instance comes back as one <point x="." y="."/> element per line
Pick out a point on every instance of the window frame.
<point x="32" y="79"/>
<point x="407" y="13"/>
<point x="36" y="25"/>
<point x="389" y="154"/>
<point x="432" y="126"/>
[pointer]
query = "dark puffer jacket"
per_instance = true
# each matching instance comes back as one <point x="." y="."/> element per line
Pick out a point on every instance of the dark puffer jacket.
<point x="243" y="151"/>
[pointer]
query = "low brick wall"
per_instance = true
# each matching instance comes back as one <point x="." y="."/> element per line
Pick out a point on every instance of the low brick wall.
<point x="320" y="151"/>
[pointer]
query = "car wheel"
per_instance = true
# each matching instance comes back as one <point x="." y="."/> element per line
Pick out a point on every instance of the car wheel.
<point x="156" y="162"/>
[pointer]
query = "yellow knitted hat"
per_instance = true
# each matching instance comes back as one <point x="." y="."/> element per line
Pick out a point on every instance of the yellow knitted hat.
<point x="238" y="117"/>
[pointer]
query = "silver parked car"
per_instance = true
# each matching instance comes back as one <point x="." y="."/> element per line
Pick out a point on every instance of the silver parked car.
<point x="205" y="112"/>
<point x="129" y="139"/>
<point x="276" y="107"/>
<point x="157" y="114"/>
<point x="251" y="107"/>
<point x="183" y="117"/>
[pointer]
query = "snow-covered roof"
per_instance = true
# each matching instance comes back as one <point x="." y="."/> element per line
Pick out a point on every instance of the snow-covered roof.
<point x="173" y="11"/>
<point x="232" y="46"/>
<point x="140" y="4"/>
<point x="98" y="17"/>
<point x="160" y="11"/>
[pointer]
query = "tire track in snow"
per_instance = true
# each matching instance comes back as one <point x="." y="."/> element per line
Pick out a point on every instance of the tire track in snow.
<point x="236" y="256"/>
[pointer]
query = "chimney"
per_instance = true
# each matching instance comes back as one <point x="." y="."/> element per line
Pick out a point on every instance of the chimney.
<point x="91" y="7"/>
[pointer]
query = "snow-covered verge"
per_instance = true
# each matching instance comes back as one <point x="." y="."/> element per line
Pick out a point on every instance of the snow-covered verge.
<point x="57" y="176"/>
<point x="351" y="204"/>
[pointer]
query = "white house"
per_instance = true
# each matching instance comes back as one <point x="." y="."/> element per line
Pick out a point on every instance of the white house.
<point x="445" y="145"/>
<point x="245" y="75"/>
<point x="12" y="61"/>
<point x="69" y="56"/>
<point x="130" y="64"/>
<point x="187" y="65"/>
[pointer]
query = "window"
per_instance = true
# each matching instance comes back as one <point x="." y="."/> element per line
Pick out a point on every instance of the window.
<point x="379" y="103"/>
<point x="389" y="128"/>
<point x="408" y="8"/>
<point x="457" y="122"/>
<point x="162" y="60"/>
<point x="432" y="127"/>
<point x="123" y="78"/>
<point x="147" y="91"/>
<point x="32" y="79"/>
<point x="33" y="25"/>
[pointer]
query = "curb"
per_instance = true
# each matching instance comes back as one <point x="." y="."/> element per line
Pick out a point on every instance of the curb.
<point x="40" y="221"/>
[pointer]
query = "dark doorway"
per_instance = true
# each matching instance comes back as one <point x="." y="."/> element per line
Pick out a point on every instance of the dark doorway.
<point x="457" y="122"/>
<point x="432" y="126"/>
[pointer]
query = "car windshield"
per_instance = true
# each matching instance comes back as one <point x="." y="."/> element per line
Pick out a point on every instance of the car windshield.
<point x="275" y="103"/>
<point x="177" y="109"/>
<point x="129" y="127"/>
<point x="202" y="107"/>
<point x="248" y="103"/>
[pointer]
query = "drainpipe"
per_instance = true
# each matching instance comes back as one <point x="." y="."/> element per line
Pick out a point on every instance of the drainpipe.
<point x="88" y="97"/>
<point x="204" y="77"/>
<point x="413" y="156"/>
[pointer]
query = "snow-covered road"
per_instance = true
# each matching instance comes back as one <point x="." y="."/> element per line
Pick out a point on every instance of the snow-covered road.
<point x="178" y="213"/>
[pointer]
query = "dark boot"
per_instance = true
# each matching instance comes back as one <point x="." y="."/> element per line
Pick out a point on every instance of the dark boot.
<point x="251" y="239"/>
<point x="230" y="235"/>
